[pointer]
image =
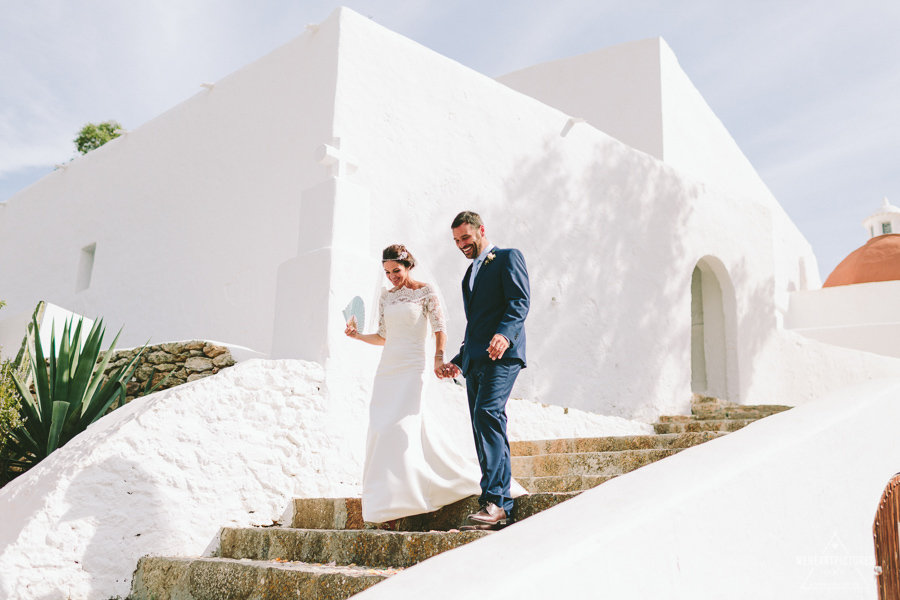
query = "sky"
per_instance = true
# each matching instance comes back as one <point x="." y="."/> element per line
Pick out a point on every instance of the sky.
<point x="810" y="90"/>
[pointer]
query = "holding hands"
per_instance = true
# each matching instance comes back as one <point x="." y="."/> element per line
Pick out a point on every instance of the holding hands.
<point x="444" y="370"/>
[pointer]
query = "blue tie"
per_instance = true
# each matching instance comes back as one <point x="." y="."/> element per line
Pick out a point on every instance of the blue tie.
<point x="475" y="268"/>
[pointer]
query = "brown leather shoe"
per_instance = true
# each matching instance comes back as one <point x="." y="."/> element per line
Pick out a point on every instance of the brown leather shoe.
<point x="490" y="514"/>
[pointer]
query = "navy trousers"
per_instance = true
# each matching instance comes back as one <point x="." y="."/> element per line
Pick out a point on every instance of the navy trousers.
<point x="489" y="384"/>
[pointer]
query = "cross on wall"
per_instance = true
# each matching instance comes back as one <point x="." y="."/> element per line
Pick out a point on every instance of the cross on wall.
<point x="339" y="163"/>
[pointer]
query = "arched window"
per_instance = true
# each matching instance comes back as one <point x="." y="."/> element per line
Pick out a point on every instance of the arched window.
<point x="713" y="332"/>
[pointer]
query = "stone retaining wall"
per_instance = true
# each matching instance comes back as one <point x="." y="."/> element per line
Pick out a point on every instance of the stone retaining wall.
<point x="186" y="361"/>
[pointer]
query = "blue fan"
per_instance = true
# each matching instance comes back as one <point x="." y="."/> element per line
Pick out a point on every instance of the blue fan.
<point x="356" y="312"/>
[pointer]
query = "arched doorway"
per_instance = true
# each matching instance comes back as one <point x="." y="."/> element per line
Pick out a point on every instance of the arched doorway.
<point x="886" y="531"/>
<point x="713" y="331"/>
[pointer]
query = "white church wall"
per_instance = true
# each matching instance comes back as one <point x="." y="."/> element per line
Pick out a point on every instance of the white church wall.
<point x="610" y="234"/>
<point x="466" y="142"/>
<point x="190" y="214"/>
<point x="12" y="333"/>
<point x="844" y="305"/>
<point x="615" y="89"/>
<point x="879" y="338"/>
<point x="792" y="497"/>
<point x="638" y="93"/>
<point x="862" y="316"/>
<point x="695" y="142"/>
<point x="51" y="319"/>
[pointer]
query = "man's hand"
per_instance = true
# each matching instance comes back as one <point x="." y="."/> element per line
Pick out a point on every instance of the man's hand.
<point x="498" y="346"/>
<point x="446" y="370"/>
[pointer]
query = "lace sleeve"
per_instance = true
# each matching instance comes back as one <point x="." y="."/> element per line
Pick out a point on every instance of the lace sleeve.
<point x="382" y="331"/>
<point x="434" y="311"/>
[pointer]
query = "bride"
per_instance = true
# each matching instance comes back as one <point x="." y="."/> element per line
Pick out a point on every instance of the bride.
<point x="411" y="467"/>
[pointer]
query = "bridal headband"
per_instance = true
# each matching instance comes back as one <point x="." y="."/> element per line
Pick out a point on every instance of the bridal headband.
<point x="402" y="256"/>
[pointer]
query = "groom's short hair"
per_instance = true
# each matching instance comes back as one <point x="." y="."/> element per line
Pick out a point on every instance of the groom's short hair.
<point x="467" y="217"/>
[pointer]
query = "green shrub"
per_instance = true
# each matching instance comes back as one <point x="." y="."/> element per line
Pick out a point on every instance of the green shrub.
<point x="10" y="402"/>
<point x="9" y="399"/>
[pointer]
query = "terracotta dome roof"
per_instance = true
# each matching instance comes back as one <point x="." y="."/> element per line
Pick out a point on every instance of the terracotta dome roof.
<point x="878" y="260"/>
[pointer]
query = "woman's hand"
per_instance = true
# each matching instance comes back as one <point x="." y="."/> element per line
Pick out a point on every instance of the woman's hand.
<point x="351" y="331"/>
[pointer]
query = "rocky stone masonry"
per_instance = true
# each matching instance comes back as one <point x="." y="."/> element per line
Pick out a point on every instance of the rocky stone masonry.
<point x="186" y="361"/>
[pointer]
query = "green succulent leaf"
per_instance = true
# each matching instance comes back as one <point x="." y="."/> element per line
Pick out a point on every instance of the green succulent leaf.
<point x="60" y="409"/>
<point x="39" y="372"/>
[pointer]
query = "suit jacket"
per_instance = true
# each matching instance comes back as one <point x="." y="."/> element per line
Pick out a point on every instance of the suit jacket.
<point x="497" y="303"/>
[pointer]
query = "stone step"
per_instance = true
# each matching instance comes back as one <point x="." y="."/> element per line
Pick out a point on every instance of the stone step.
<point x="611" y="444"/>
<point x="596" y="464"/>
<point x="731" y="411"/>
<point x="691" y="426"/>
<point x="736" y="411"/>
<point x="562" y="484"/>
<point x="346" y="513"/>
<point x="369" y="547"/>
<point x="161" y="578"/>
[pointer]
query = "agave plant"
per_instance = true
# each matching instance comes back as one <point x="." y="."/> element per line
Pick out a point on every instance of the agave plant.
<point x="69" y="393"/>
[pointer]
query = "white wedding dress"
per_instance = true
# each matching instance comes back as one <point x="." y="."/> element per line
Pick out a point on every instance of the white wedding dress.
<point x="412" y="466"/>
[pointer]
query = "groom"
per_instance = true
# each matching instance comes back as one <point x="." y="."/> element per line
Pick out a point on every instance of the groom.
<point x="495" y="296"/>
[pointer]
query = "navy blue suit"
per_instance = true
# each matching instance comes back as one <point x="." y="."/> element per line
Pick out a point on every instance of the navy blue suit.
<point x="497" y="303"/>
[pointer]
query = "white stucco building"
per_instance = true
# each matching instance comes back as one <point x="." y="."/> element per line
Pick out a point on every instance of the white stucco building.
<point x="254" y="211"/>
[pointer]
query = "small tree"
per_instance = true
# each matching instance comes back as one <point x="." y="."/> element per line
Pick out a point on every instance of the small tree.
<point x="93" y="136"/>
<point x="10" y="401"/>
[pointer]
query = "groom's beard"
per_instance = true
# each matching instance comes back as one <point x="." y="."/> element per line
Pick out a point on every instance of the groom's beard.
<point x="475" y="249"/>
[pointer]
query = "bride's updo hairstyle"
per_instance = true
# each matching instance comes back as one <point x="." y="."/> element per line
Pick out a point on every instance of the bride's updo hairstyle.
<point x="398" y="253"/>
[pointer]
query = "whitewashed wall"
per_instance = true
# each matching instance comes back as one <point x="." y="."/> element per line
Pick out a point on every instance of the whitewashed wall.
<point x="191" y="213"/>
<point x="863" y="316"/>
<point x="617" y="89"/>
<point x="51" y="320"/>
<point x="611" y="235"/>
<point x="638" y="93"/>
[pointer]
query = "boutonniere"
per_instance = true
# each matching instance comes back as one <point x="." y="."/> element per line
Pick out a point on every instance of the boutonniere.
<point x="487" y="259"/>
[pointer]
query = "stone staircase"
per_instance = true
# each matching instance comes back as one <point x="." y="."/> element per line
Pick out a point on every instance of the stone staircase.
<point x="714" y="415"/>
<point x="326" y="551"/>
